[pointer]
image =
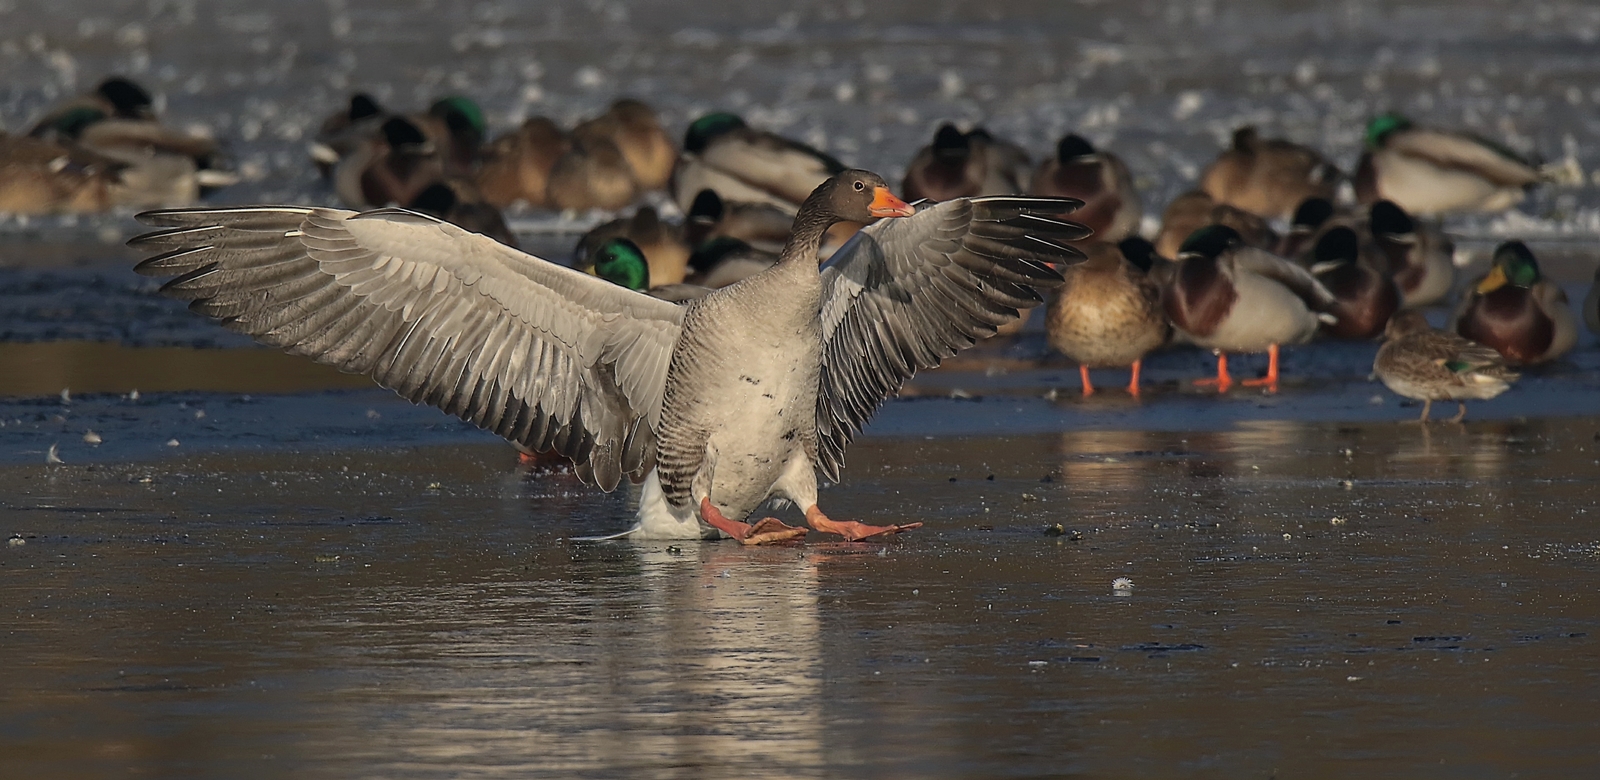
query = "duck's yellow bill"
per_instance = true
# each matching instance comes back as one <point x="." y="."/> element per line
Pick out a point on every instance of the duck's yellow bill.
<point x="1494" y="281"/>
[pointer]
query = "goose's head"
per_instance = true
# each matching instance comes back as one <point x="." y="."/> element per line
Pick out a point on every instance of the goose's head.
<point x="621" y="262"/>
<point x="855" y="196"/>
<point x="1513" y="265"/>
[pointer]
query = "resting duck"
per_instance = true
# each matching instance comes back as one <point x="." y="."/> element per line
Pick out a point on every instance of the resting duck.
<point x="1432" y="172"/>
<point x="724" y="261"/>
<point x="1193" y="210"/>
<point x="458" y="202"/>
<point x="621" y="262"/>
<point x="1270" y="177"/>
<point x="963" y="165"/>
<point x="39" y="177"/>
<point x="516" y="166"/>
<point x="717" y="405"/>
<point x="1427" y="364"/>
<point x="1230" y="297"/>
<point x="1107" y="313"/>
<point x="1100" y="179"/>
<point x="744" y="165"/>
<point x="344" y="130"/>
<point x="115" y="97"/>
<point x="1516" y="311"/>
<point x="757" y="224"/>
<point x="1366" y="298"/>
<point x="593" y="174"/>
<point x="1591" y="305"/>
<point x="1305" y="227"/>
<point x="635" y="129"/>
<point x="394" y="166"/>
<point x="661" y="243"/>
<point x="457" y="129"/>
<point x="1420" y="257"/>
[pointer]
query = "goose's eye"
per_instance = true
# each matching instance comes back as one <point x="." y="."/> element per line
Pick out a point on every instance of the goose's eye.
<point x="860" y="186"/>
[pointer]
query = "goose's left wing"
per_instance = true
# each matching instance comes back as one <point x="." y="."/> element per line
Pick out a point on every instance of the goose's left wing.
<point x="904" y="294"/>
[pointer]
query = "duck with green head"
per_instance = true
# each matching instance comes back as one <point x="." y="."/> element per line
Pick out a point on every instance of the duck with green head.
<point x="1430" y="172"/>
<point x="1516" y="311"/>
<point x="456" y="126"/>
<point x="745" y="165"/>
<point x="161" y="166"/>
<point x="1230" y="297"/>
<point x="622" y="262"/>
<point x="1426" y="364"/>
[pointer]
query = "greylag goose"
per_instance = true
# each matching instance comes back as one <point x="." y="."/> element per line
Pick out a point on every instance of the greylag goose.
<point x="716" y="405"/>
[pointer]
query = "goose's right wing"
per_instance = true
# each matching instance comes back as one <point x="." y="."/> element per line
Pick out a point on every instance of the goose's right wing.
<point x="545" y="356"/>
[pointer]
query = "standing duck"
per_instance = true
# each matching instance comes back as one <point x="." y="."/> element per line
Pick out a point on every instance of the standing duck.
<point x="1427" y="364"/>
<point x="745" y="165"/>
<point x="661" y="244"/>
<point x="593" y="174"/>
<point x="1516" y="311"/>
<point x="1432" y="172"/>
<point x="1100" y="179"/>
<point x="1107" y="313"/>
<point x="1230" y="297"/>
<point x="1270" y="177"/>
<point x="1195" y="209"/>
<point x="1366" y="298"/>
<point x="717" y="405"/>
<point x="1419" y="257"/>
<point x="961" y="165"/>
<point x="635" y="129"/>
<point x="516" y="166"/>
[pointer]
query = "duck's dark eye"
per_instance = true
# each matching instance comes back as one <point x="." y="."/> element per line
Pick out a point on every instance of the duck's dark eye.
<point x="860" y="186"/>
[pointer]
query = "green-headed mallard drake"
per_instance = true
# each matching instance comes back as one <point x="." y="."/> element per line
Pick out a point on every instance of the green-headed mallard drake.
<point x="40" y="177"/>
<point x="725" y="260"/>
<point x="1517" y="311"/>
<point x="1231" y="297"/>
<point x="593" y="174"/>
<point x="115" y="97"/>
<point x="1365" y="297"/>
<point x="162" y="167"/>
<point x="963" y="165"/>
<point x="1419" y="256"/>
<point x="745" y="165"/>
<point x="1591" y="305"/>
<point x="516" y="166"/>
<point x="1426" y="364"/>
<point x="1268" y="177"/>
<point x="1100" y="179"/>
<point x="1108" y="314"/>
<point x="1432" y="172"/>
<point x="458" y="202"/>
<point x="717" y="406"/>
<point x="637" y="132"/>
<point x="392" y="167"/>
<point x="1193" y="210"/>
<point x="622" y="262"/>
<point x="344" y="130"/>
<point x="661" y="243"/>
<point x="456" y="126"/>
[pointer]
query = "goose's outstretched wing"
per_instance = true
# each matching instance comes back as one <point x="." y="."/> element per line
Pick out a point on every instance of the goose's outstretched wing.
<point x="545" y="356"/>
<point x="904" y="294"/>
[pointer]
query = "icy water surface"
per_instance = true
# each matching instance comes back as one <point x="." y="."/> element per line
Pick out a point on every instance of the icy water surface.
<point x="1306" y="601"/>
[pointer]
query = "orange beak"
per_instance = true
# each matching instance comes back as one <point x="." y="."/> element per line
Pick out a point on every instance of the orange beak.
<point x="885" y="204"/>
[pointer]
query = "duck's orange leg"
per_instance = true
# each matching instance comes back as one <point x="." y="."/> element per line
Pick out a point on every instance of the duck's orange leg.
<point x="850" y="529"/>
<point x="769" y="530"/>
<point x="1088" y="389"/>
<point x="1223" y="381"/>
<point x="1270" y="381"/>
<point x="1133" y="384"/>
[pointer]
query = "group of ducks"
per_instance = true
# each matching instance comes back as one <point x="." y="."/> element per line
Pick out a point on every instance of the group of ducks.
<point x="104" y="149"/>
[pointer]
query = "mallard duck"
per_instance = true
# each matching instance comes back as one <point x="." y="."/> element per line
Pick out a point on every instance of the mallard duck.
<point x="1516" y="311"/>
<point x="1427" y="364"/>
<point x="161" y="167"/>
<point x="1420" y="257"/>
<point x="1305" y="227"/>
<point x="1432" y="172"/>
<point x="745" y="165"/>
<point x="1231" y="297"/>
<point x="456" y="126"/>
<point x="1195" y="209"/>
<point x="717" y="406"/>
<point x="962" y="165"/>
<point x="516" y="166"/>
<point x="661" y="243"/>
<point x="1591" y="305"/>
<point x="344" y="130"/>
<point x="1107" y="314"/>
<point x="39" y="177"/>
<point x="1365" y="297"/>
<point x="1270" y="177"/>
<point x="116" y="96"/>
<point x="725" y="260"/>
<point x="757" y="224"/>
<point x="593" y="174"/>
<point x="1111" y="206"/>
<point x="622" y="262"/>
<point x="635" y="129"/>
<point x="458" y="202"/>
<point x="394" y="166"/>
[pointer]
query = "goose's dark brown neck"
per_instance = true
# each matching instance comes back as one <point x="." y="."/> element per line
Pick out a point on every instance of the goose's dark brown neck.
<point x="805" y="240"/>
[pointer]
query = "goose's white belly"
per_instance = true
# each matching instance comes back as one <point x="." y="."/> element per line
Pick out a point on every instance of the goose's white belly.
<point x="771" y="399"/>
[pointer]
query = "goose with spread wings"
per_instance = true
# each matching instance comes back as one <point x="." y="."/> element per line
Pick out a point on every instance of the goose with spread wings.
<point x="716" y="405"/>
